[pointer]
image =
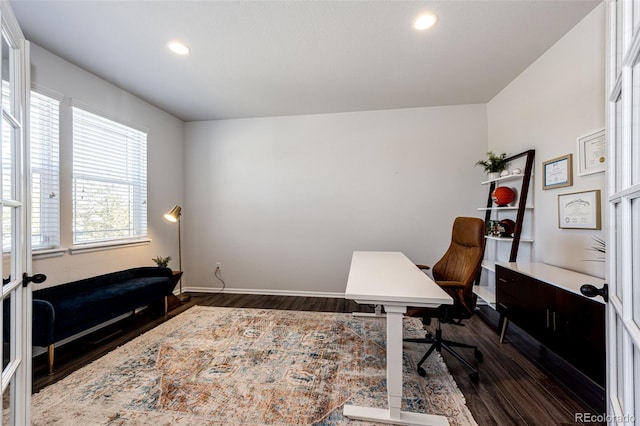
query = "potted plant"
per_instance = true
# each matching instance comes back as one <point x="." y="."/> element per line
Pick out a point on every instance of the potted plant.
<point x="494" y="164"/>
<point x="599" y="246"/>
<point x="162" y="262"/>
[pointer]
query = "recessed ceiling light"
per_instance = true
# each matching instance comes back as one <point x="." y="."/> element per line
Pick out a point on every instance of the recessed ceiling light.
<point x="425" y="21"/>
<point x="179" y="48"/>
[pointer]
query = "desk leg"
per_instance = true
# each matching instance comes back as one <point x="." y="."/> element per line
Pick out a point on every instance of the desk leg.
<point x="394" y="358"/>
<point x="393" y="414"/>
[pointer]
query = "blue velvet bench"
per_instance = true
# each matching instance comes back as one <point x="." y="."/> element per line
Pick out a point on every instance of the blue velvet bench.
<point x="67" y="310"/>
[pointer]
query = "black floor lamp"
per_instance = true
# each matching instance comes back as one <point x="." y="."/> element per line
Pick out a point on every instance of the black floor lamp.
<point x="174" y="216"/>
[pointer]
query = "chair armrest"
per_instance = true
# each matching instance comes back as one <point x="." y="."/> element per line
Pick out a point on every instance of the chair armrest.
<point x="43" y="317"/>
<point x="423" y="267"/>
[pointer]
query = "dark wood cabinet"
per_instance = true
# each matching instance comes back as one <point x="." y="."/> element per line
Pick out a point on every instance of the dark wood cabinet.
<point x="579" y="334"/>
<point x="522" y="302"/>
<point x="569" y="324"/>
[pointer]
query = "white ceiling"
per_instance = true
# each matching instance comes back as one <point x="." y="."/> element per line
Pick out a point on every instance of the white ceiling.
<point x="270" y="58"/>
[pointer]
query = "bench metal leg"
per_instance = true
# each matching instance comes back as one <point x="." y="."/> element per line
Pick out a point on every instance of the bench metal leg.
<point x="51" y="353"/>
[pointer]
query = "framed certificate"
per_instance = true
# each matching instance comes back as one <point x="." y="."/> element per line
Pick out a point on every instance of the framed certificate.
<point x="592" y="153"/>
<point x="558" y="172"/>
<point x="580" y="210"/>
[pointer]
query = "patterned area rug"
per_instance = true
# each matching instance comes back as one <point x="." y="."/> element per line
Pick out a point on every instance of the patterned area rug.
<point x="222" y="366"/>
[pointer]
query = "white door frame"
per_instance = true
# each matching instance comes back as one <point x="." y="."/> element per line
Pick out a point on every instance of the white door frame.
<point x="623" y="212"/>
<point x="15" y="207"/>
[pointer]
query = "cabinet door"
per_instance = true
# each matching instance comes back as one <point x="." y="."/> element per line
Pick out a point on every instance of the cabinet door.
<point x="524" y="301"/>
<point x="538" y="300"/>
<point x="579" y="336"/>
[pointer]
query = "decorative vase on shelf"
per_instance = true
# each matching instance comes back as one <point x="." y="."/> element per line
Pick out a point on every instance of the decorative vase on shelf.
<point x="493" y="175"/>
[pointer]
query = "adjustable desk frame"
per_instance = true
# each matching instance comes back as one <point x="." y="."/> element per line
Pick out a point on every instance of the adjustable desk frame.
<point x="392" y="280"/>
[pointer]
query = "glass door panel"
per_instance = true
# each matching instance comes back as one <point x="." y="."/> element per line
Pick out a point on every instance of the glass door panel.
<point x="6" y="406"/>
<point x="619" y="360"/>
<point x="635" y="126"/>
<point x="8" y="244"/>
<point x="635" y="254"/>
<point x="8" y="138"/>
<point x="7" y="330"/>
<point x="617" y="226"/>
<point x="617" y="7"/>
<point x="7" y="103"/>
<point x="618" y="148"/>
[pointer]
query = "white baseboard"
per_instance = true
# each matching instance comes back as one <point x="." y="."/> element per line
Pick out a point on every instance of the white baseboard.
<point x="264" y="292"/>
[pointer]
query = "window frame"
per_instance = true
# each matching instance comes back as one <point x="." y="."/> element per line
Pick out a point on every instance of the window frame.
<point x="138" y="200"/>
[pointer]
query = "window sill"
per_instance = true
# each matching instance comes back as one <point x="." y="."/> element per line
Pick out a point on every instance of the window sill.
<point x="46" y="253"/>
<point x="87" y="248"/>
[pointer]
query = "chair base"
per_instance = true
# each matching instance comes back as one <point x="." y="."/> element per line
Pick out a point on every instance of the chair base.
<point x="438" y="343"/>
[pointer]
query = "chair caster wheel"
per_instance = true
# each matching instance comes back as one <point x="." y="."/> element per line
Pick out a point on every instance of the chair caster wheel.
<point x="422" y="372"/>
<point x="475" y="377"/>
<point x="478" y="355"/>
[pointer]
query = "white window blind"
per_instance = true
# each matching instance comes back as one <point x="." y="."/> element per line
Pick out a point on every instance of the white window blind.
<point x="109" y="180"/>
<point x="45" y="171"/>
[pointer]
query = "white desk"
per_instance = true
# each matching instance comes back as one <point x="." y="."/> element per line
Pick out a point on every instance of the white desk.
<point x="392" y="280"/>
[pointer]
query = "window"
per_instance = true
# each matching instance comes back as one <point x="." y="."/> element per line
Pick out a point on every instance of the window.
<point x="109" y="180"/>
<point x="45" y="171"/>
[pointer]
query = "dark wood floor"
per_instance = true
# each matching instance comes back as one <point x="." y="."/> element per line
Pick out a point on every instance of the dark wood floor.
<point x="513" y="390"/>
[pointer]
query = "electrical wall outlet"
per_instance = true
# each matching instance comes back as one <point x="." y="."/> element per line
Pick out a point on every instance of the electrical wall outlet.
<point x="218" y="265"/>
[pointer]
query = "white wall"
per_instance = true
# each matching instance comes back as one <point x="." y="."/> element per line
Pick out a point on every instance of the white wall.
<point x="557" y="99"/>
<point x="282" y="202"/>
<point x="165" y="169"/>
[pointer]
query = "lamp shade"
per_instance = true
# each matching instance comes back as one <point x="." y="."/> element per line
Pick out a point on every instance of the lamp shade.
<point x="174" y="214"/>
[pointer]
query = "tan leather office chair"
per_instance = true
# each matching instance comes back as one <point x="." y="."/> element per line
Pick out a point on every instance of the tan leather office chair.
<point x="456" y="273"/>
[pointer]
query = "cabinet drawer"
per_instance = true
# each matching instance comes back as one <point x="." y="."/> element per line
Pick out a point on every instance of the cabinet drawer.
<point x="507" y="292"/>
<point x="507" y="275"/>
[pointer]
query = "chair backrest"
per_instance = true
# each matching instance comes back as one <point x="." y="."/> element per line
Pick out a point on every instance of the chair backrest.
<point x="463" y="259"/>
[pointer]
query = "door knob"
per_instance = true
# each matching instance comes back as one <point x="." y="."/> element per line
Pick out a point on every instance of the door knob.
<point x="591" y="291"/>
<point x="37" y="279"/>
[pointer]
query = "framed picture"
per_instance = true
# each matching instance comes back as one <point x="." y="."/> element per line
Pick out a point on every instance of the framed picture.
<point x="580" y="210"/>
<point x="592" y="153"/>
<point x="558" y="172"/>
